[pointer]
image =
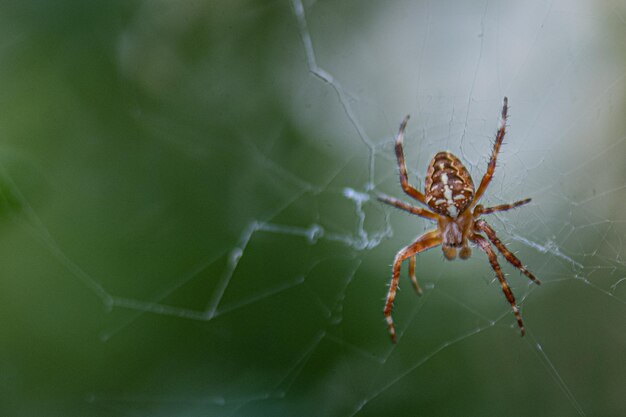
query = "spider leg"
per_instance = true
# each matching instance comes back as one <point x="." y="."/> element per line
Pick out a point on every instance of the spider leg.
<point x="418" y="290"/>
<point x="404" y="177"/>
<point x="493" y="260"/>
<point x="494" y="154"/>
<point x="426" y="241"/>
<point x="483" y="226"/>
<point x="407" y="207"/>
<point x="480" y="209"/>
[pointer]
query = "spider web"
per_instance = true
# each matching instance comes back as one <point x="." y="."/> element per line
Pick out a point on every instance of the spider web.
<point x="243" y="271"/>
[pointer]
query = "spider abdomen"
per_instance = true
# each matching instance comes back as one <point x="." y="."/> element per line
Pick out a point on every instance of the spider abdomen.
<point x="449" y="188"/>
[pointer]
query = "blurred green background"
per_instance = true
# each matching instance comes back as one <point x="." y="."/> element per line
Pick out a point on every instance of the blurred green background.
<point x="188" y="224"/>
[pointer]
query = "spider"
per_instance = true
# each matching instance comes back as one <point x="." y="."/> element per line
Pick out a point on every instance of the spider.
<point x="449" y="193"/>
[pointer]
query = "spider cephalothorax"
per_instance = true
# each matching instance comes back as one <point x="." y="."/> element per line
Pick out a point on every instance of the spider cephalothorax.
<point x="449" y="193"/>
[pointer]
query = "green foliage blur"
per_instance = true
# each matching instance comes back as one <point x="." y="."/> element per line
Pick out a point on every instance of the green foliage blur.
<point x="140" y="140"/>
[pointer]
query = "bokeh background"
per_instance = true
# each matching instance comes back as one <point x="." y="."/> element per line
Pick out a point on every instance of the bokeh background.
<point x="188" y="223"/>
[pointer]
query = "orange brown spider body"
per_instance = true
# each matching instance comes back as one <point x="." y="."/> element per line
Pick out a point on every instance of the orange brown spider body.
<point x="449" y="192"/>
<point x="449" y="188"/>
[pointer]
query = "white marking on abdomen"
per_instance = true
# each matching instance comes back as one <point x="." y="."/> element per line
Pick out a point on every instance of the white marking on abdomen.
<point x="447" y="193"/>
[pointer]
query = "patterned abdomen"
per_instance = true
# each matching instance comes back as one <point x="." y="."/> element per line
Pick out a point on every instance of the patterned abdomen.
<point x="449" y="189"/>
